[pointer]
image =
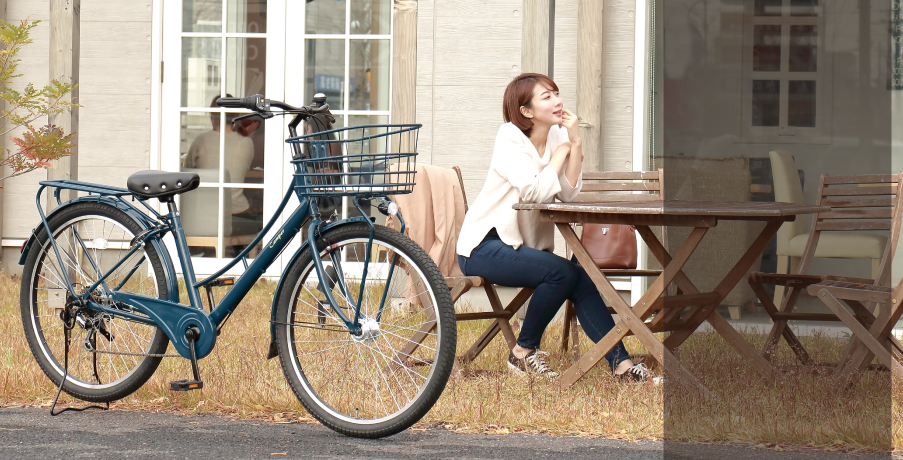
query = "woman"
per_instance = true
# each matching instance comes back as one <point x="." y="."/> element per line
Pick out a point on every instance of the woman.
<point x="537" y="156"/>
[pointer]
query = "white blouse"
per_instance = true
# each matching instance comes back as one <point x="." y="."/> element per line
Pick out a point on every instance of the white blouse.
<point x="517" y="174"/>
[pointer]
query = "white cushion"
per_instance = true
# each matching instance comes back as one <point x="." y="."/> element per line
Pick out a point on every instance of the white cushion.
<point x="845" y="245"/>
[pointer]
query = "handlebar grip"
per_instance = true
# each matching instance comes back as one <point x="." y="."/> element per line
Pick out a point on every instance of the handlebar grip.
<point x="232" y="102"/>
<point x="255" y="102"/>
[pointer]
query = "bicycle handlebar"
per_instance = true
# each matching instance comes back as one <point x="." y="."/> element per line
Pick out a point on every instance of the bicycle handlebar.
<point x="258" y="104"/>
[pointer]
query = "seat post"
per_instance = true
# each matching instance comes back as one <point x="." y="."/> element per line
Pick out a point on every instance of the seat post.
<point x="178" y="234"/>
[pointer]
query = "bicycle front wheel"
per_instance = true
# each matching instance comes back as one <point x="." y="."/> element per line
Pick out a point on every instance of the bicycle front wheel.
<point x="109" y="356"/>
<point x="387" y="377"/>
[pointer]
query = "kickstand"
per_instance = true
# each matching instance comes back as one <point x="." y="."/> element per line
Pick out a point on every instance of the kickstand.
<point x="68" y="324"/>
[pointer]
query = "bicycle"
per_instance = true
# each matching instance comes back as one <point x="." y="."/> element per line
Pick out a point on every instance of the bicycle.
<point x="362" y="320"/>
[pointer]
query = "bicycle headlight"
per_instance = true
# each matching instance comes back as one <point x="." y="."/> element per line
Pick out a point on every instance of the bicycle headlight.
<point x="388" y="208"/>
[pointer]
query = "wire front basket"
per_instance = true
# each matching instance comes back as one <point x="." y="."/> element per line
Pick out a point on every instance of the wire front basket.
<point x="365" y="160"/>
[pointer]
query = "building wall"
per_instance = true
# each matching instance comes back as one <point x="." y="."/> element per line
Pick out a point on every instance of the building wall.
<point x="468" y="51"/>
<point x="115" y="94"/>
<point x="19" y="215"/>
<point x="617" y="137"/>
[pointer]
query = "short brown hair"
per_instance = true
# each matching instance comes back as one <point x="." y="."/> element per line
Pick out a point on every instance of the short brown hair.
<point x="518" y="94"/>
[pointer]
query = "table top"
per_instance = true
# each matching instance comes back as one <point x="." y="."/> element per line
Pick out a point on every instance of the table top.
<point x="739" y="210"/>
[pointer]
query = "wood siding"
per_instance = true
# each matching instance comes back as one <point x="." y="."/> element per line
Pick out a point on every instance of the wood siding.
<point x="115" y="92"/>
<point x="620" y="25"/>
<point x="467" y="52"/>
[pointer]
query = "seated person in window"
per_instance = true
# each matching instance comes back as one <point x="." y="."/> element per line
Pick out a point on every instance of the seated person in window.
<point x="238" y="153"/>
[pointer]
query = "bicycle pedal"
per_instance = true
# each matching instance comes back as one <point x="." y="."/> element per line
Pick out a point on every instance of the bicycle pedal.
<point x="186" y="385"/>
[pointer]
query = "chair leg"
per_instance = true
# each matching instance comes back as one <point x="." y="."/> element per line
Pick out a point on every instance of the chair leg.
<point x="565" y="334"/>
<point x="783" y="266"/>
<point x="575" y="336"/>
<point x="734" y="311"/>
<point x="749" y="306"/>
<point x="499" y="325"/>
<point x="875" y="264"/>
<point x="773" y="338"/>
<point x="860" y="333"/>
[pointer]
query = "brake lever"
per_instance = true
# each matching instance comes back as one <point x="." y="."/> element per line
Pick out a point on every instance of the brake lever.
<point x="324" y="109"/>
<point x="245" y="116"/>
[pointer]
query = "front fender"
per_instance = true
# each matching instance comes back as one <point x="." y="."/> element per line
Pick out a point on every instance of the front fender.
<point x="145" y="221"/>
<point x="273" y="352"/>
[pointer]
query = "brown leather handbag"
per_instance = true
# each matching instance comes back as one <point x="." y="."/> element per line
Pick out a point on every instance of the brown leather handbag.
<point x="610" y="245"/>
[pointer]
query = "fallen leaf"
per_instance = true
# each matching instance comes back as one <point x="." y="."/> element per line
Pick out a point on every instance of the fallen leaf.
<point x="503" y="431"/>
<point x="279" y="453"/>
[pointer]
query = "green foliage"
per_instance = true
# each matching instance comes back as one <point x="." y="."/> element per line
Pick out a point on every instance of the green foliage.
<point x="37" y="146"/>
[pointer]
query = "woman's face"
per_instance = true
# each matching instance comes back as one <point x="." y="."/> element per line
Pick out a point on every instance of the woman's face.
<point x="545" y="107"/>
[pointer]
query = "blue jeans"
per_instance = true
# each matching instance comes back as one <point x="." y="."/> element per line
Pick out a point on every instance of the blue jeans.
<point x="554" y="280"/>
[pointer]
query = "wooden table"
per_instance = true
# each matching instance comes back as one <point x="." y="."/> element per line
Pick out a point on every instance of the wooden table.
<point x="671" y="315"/>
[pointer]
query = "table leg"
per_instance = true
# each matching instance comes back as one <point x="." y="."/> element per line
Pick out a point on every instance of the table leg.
<point x="707" y="313"/>
<point x="629" y="321"/>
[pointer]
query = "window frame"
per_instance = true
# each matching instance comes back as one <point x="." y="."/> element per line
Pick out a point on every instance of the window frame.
<point x="171" y="112"/>
<point x="823" y="76"/>
<point x="284" y="81"/>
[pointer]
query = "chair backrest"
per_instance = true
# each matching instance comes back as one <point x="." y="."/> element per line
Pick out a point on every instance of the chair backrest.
<point x="865" y="202"/>
<point x="622" y="186"/>
<point x="602" y="185"/>
<point x="200" y="207"/>
<point x="787" y="189"/>
<point x="461" y="182"/>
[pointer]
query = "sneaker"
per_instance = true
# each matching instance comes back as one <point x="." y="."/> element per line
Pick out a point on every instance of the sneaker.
<point x="534" y="362"/>
<point x="639" y="373"/>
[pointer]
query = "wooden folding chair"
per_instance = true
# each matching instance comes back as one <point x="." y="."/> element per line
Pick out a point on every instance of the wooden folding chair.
<point x="501" y="314"/>
<point x="871" y="336"/>
<point x="859" y="203"/>
<point x="614" y="186"/>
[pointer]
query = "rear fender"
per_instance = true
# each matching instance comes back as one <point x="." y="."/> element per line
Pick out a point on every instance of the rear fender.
<point x="145" y="221"/>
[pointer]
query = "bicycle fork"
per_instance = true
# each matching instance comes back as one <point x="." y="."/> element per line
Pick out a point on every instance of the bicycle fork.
<point x="331" y="276"/>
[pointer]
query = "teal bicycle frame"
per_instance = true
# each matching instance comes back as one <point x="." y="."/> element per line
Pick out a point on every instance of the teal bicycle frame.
<point x="173" y="317"/>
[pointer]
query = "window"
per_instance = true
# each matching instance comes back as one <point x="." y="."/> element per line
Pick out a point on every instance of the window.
<point x="347" y="58"/>
<point x="223" y="45"/>
<point x="787" y="82"/>
<point x="285" y="50"/>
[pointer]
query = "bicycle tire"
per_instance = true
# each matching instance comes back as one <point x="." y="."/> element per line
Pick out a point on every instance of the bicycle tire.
<point x="86" y="232"/>
<point x="358" y="400"/>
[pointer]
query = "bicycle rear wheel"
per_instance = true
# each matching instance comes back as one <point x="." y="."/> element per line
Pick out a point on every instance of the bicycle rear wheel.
<point x="108" y="354"/>
<point x="387" y="378"/>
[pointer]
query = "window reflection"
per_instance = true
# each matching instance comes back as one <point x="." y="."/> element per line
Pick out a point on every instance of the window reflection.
<point x="199" y="218"/>
<point x="370" y="70"/>
<point x="801" y="104"/>
<point x="325" y="71"/>
<point x="201" y="68"/>
<point x="768" y="7"/>
<point x="804" y="7"/>
<point x="246" y="16"/>
<point x="766" y="107"/>
<point x="803" y="43"/>
<point x="245" y="66"/>
<point x="202" y="16"/>
<point x="242" y="227"/>
<point x="767" y="48"/>
<point x="325" y="16"/>
<point x="371" y="17"/>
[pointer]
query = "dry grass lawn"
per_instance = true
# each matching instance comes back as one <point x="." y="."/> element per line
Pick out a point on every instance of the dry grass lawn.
<point x="483" y="397"/>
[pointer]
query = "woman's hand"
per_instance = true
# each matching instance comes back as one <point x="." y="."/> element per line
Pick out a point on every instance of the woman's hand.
<point x="569" y="122"/>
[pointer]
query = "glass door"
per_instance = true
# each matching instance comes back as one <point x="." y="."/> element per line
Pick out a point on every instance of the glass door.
<point x="215" y="48"/>
<point x="346" y="55"/>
